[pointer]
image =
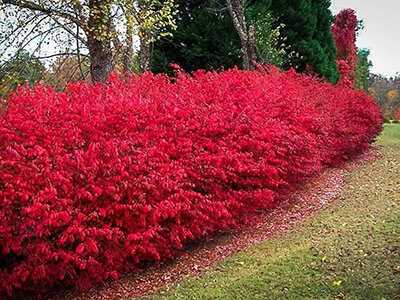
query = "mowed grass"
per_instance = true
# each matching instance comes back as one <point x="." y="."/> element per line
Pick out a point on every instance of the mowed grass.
<point x="390" y="134"/>
<point x="349" y="251"/>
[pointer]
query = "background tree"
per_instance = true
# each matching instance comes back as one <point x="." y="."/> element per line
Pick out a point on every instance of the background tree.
<point x="344" y="31"/>
<point x="205" y="37"/>
<point x="66" y="69"/>
<point x="306" y="36"/>
<point x="396" y="115"/>
<point x="245" y="30"/>
<point x="151" y="19"/>
<point x="103" y="29"/>
<point x="386" y="92"/>
<point x="21" y="69"/>
<point x="267" y="34"/>
<point x="363" y="69"/>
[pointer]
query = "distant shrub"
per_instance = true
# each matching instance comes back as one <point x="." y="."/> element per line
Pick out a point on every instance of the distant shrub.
<point x="396" y="115"/>
<point x="99" y="178"/>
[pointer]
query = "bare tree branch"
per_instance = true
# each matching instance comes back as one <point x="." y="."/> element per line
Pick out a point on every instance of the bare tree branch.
<point x="61" y="54"/>
<point x="46" y="10"/>
<point x="69" y="30"/>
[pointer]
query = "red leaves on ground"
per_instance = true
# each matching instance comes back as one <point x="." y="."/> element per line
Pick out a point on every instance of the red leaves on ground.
<point x="100" y="178"/>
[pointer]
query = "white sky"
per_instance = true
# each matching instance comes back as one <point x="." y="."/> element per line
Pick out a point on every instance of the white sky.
<point x="381" y="33"/>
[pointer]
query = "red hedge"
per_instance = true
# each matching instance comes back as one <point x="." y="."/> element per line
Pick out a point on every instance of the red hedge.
<point x="98" y="179"/>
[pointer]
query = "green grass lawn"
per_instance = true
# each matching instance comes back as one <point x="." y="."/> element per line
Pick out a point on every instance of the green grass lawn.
<point x="349" y="251"/>
<point x="391" y="135"/>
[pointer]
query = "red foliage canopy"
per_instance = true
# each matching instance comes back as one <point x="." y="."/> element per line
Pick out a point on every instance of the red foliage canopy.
<point x="97" y="179"/>
<point x="344" y="33"/>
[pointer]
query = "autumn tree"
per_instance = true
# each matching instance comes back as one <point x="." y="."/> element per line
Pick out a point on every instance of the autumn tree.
<point x="386" y="92"/>
<point x="102" y="29"/>
<point x="267" y="33"/>
<point x="396" y="115"/>
<point x="344" y="31"/>
<point x="66" y="69"/>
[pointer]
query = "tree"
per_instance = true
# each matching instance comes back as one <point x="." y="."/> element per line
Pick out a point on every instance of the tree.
<point x="246" y="32"/>
<point x="66" y="69"/>
<point x="306" y="36"/>
<point x="344" y="31"/>
<point x="386" y="92"/>
<point x="20" y="69"/>
<point x="253" y="24"/>
<point x="197" y="42"/>
<point x="206" y="38"/>
<point x="363" y="69"/>
<point x="266" y="34"/>
<point x="103" y="29"/>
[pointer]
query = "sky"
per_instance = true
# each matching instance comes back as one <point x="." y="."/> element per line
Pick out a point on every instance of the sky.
<point x="381" y="33"/>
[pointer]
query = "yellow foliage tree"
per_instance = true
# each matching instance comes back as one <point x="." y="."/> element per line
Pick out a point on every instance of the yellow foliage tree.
<point x="392" y="95"/>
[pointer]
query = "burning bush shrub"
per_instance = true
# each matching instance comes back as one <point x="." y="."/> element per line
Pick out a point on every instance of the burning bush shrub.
<point x="99" y="178"/>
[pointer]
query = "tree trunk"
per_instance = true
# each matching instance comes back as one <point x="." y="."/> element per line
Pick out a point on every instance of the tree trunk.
<point x="101" y="62"/>
<point x="245" y="54"/>
<point x="251" y="46"/>
<point x="99" y="35"/>
<point x="128" y="55"/>
<point x="246" y="35"/>
<point x="145" y="52"/>
<point x="127" y="59"/>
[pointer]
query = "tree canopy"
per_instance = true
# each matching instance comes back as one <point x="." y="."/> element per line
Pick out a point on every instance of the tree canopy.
<point x="306" y="36"/>
<point x="363" y="69"/>
<point x="206" y="37"/>
<point x="104" y="30"/>
<point x="20" y="69"/>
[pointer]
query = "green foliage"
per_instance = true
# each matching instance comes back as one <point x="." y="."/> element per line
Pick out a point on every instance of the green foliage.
<point x="267" y="35"/>
<point x="206" y="38"/>
<point x="363" y="69"/>
<point x="390" y="135"/>
<point x="20" y="69"/>
<point x="156" y="17"/>
<point x="306" y="36"/>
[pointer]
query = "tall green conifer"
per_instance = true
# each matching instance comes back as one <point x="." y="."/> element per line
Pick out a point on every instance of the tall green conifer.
<point x="306" y="36"/>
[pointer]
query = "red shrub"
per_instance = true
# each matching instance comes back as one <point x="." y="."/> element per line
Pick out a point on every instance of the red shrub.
<point x="397" y="115"/>
<point x="100" y="178"/>
<point x="344" y="32"/>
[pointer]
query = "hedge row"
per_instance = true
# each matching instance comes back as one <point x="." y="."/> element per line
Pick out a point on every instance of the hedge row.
<point x="100" y="178"/>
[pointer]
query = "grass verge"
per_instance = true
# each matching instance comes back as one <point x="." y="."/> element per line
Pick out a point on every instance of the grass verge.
<point x="390" y="135"/>
<point x="349" y="251"/>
